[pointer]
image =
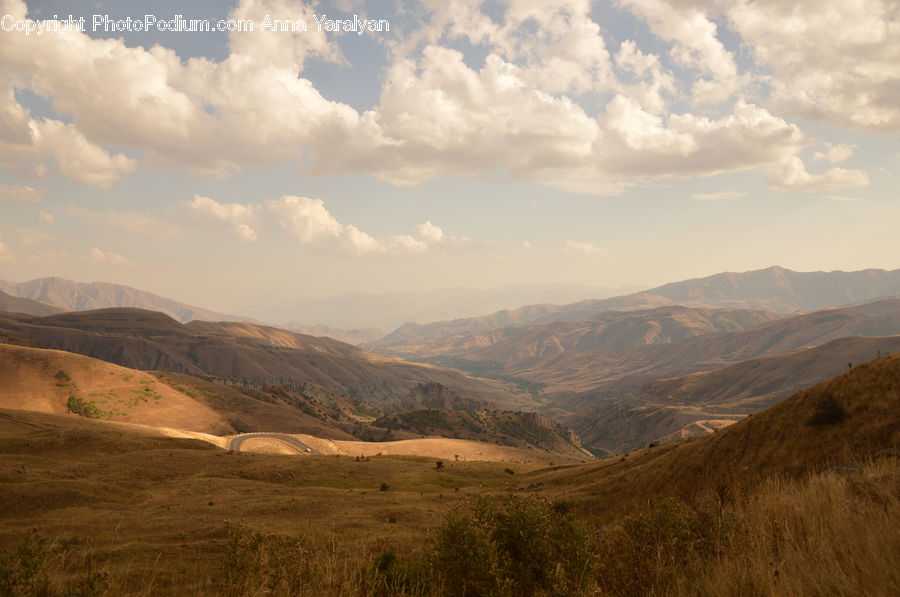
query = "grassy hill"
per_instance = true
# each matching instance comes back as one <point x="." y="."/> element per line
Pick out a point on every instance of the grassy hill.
<point x="674" y="407"/>
<point x="803" y="498"/>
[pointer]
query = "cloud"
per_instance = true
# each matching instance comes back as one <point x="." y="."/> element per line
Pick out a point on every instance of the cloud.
<point x="237" y="218"/>
<point x="791" y="174"/>
<point x="843" y="199"/>
<point x="723" y="195"/>
<point x="20" y="193"/>
<point x="47" y="217"/>
<point x="835" y="153"/>
<point x="106" y="257"/>
<point x="831" y="60"/>
<point x="584" y="248"/>
<point x="527" y="245"/>
<point x="309" y="223"/>
<point x="549" y="103"/>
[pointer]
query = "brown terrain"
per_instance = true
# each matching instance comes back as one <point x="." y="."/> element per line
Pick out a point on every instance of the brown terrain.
<point x="242" y="351"/>
<point x="808" y="487"/>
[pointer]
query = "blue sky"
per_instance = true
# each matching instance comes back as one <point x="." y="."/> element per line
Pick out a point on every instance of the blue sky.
<point x="473" y="144"/>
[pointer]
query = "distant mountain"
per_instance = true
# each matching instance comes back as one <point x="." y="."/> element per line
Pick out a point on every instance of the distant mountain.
<point x="348" y="335"/>
<point x="674" y="408"/>
<point x="81" y="296"/>
<point x="391" y="309"/>
<point x="14" y="304"/>
<point x="780" y="289"/>
<point x="608" y="331"/>
<point x="772" y="289"/>
<point x="579" y="378"/>
<point x="244" y="352"/>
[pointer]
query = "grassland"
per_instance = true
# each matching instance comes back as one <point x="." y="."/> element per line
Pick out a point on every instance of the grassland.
<point x="802" y="499"/>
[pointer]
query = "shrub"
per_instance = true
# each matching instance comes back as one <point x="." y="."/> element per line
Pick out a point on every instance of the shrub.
<point x="511" y="546"/>
<point x="827" y="411"/>
<point x="84" y="408"/>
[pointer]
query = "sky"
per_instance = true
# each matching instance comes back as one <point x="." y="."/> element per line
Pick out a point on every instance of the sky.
<point x="459" y="144"/>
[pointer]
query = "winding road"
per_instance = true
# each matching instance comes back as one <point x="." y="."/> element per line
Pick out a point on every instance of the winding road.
<point x="235" y="442"/>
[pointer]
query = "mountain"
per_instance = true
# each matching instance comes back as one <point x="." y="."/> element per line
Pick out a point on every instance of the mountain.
<point x="80" y="296"/>
<point x="608" y="331"/>
<point x="14" y="304"/>
<point x="772" y="289"/>
<point x="780" y="289"/>
<point x="391" y="309"/>
<point x="244" y="352"/>
<point x="701" y="403"/>
<point x="581" y="377"/>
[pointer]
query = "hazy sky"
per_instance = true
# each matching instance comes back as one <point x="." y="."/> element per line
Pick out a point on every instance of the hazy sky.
<point x="473" y="144"/>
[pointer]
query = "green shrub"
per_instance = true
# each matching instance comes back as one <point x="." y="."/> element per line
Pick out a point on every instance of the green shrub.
<point x="84" y="408"/>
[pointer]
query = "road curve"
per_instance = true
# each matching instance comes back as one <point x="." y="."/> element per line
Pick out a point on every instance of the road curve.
<point x="235" y="442"/>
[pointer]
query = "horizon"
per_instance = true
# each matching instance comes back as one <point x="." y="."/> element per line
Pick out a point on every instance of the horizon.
<point x="484" y="146"/>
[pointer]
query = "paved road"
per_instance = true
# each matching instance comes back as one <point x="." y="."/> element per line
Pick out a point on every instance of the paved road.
<point x="235" y="443"/>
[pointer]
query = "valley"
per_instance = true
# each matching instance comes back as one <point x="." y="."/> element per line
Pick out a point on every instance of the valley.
<point x="107" y="415"/>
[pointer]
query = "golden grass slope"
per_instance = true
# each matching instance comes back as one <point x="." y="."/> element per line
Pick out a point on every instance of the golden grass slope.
<point x="838" y="421"/>
<point x="45" y="381"/>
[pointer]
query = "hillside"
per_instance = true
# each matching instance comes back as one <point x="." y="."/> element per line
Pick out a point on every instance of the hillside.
<point x="693" y="404"/>
<point x="242" y="351"/>
<point x="86" y="296"/>
<point x="13" y="304"/>
<point x="506" y="428"/>
<point x="839" y="421"/>
<point x="772" y="289"/>
<point x="60" y="382"/>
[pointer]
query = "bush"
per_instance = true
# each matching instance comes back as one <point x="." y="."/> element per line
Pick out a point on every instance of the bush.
<point x="84" y="408"/>
<point x="511" y="546"/>
<point x="827" y="411"/>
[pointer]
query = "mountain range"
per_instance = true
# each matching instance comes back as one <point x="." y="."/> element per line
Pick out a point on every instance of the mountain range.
<point x="772" y="289"/>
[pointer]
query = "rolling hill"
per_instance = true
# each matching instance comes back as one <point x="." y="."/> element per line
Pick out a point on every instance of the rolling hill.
<point x="246" y="352"/>
<point x="58" y="382"/>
